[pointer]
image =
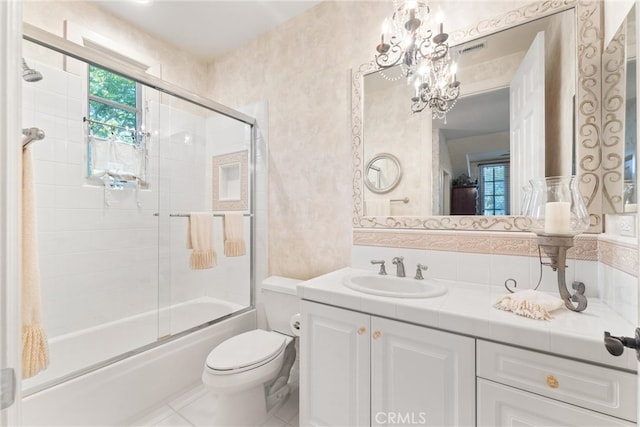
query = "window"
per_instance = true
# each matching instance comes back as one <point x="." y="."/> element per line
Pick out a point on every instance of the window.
<point x="116" y="151"/>
<point x="494" y="188"/>
<point x="113" y="100"/>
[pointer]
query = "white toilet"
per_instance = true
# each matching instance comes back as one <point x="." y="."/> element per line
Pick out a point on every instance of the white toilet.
<point x="248" y="373"/>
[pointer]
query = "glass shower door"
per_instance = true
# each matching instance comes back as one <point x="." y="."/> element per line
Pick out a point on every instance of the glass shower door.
<point x="205" y="161"/>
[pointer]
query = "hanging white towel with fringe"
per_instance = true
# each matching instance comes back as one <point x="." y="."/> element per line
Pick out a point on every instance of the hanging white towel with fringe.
<point x="234" y="235"/>
<point x="200" y="239"/>
<point x="35" y="350"/>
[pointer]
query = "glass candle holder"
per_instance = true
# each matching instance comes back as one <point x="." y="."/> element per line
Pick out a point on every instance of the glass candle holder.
<point x="556" y="207"/>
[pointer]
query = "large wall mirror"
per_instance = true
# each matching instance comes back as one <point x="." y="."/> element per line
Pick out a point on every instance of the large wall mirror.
<point x="446" y="162"/>
<point x="619" y="122"/>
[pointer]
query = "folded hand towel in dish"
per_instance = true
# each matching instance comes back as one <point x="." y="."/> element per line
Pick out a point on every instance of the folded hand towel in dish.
<point x="378" y="207"/>
<point x="35" y="351"/>
<point x="234" y="235"/>
<point x="530" y="303"/>
<point x="200" y="239"/>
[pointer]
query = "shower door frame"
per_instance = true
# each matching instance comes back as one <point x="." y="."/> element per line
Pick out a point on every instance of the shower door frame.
<point x="10" y="201"/>
<point x="65" y="47"/>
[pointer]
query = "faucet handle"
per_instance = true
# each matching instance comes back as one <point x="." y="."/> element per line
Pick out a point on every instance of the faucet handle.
<point x="382" y="271"/>
<point x="419" y="269"/>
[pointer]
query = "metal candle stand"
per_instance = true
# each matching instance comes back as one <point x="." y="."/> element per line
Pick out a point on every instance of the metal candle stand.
<point x="556" y="248"/>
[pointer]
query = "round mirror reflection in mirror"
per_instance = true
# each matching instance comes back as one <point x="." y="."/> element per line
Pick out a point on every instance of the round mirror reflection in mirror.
<point x="383" y="173"/>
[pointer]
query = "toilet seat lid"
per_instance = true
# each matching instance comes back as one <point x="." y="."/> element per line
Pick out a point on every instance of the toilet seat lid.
<point x="247" y="349"/>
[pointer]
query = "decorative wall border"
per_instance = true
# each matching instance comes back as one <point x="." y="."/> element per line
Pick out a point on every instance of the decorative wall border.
<point x="588" y="121"/>
<point x="588" y="247"/>
<point x="619" y="255"/>
<point x="521" y="244"/>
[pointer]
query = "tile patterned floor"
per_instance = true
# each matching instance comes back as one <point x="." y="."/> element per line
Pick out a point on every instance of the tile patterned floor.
<point x="195" y="408"/>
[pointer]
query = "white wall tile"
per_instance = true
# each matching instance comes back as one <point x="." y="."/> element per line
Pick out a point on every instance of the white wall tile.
<point x="441" y="265"/>
<point x="474" y="268"/>
<point x="507" y="267"/>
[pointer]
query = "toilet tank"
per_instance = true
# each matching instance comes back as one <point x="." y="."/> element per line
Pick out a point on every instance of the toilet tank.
<point x="280" y="302"/>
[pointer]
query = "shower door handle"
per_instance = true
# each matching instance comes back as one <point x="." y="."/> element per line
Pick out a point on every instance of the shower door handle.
<point x="7" y="387"/>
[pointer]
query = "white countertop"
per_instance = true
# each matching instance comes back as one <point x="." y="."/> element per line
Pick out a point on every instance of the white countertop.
<point x="467" y="308"/>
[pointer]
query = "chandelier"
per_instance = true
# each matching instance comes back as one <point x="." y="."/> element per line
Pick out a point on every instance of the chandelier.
<point x="423" y="57"/>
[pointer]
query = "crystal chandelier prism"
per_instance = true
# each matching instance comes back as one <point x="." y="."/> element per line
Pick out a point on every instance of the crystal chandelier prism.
<point x="423" y="57"/>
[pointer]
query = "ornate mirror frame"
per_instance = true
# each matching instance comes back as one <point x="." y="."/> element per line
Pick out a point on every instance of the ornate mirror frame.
<point x="614" y="78"/>
<point x="587" y="122"/>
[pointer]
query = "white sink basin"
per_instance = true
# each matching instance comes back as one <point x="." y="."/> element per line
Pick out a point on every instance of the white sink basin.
<point x="392" y="286"/>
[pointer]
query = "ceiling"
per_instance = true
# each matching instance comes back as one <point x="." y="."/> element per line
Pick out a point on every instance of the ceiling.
<point x="206" y="28"/>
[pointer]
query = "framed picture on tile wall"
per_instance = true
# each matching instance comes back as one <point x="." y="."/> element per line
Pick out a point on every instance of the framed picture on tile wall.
<point x="230" y="181"/>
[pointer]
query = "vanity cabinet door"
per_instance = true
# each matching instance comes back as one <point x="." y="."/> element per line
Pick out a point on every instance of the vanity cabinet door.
<point x="501" y="405"/>
<point x="421" y="376"/>
<point x="334" y="366"/>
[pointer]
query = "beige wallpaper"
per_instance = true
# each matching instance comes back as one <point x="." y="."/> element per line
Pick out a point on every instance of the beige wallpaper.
<point x="302" y="69"/>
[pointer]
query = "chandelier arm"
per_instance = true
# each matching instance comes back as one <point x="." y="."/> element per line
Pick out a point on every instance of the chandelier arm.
<point x="392" y="56"/>
<point x="425" y="45"/>
<point x="440" y="51"/>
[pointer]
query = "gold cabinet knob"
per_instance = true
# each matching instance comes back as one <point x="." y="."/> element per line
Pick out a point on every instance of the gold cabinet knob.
<point x="376" y="335"/>
<point x="552" y="381"/>
<point x="362" y="330"/>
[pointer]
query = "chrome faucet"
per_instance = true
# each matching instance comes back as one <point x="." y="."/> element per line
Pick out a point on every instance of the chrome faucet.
<point x="382" y="269"/>
<point x="419" y="269"/>
<point x="399" y="265"/>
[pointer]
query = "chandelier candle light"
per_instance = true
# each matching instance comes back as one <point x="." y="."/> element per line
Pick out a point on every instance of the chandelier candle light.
<point x="424" y="60"/>
<point x="558" y="213"/>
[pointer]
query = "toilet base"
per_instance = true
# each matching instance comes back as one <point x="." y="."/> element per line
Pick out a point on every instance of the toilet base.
<point x="248" y="408"/>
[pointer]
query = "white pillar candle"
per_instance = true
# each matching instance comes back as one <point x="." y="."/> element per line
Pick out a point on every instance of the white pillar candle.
<point x="557" y="218"/>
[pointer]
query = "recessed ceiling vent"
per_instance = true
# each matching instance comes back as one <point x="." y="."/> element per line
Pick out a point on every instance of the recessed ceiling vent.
<point x="472" y="48"/>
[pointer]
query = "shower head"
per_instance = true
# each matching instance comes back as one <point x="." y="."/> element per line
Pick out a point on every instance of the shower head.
<point x="29" y="74"/>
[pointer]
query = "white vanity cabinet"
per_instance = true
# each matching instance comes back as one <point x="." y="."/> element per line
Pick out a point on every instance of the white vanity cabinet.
<point x="361" y="370"/>
<point x="523" y="387"/>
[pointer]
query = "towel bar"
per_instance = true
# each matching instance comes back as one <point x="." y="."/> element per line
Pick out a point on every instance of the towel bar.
<point x="186" y="215"/>
<point x="405" y="200"/>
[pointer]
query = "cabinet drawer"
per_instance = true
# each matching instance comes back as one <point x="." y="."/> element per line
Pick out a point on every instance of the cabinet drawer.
<point x="594" y="387"/>
<point x="500" y="405"/>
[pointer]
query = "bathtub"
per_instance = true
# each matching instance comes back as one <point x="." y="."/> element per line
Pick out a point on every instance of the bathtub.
<point x="134" y="380"/>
